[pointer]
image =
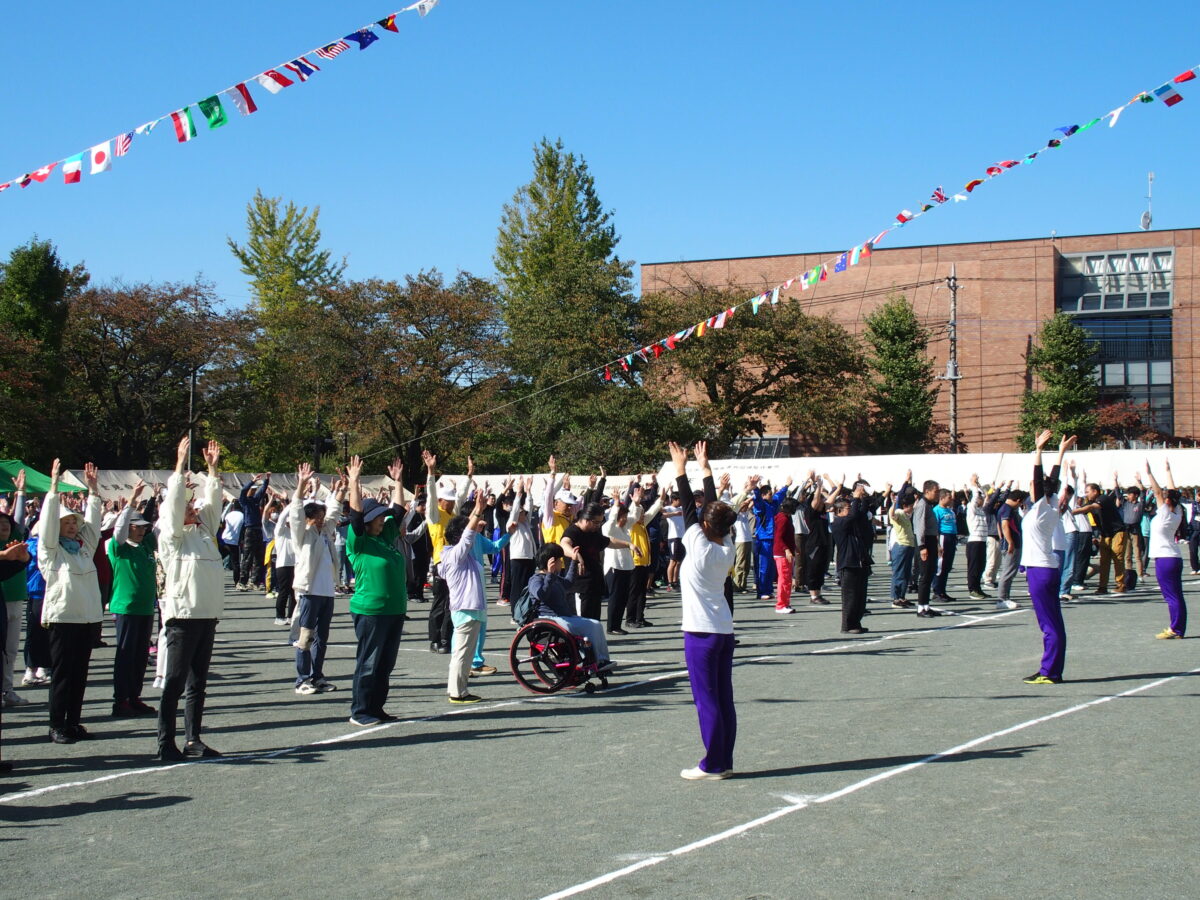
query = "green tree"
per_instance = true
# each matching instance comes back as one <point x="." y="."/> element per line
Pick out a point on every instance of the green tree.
<point x="902" y="390"/>
<point x="36" y="292"/>
<point x="287" y="268"/>
<point x="805" y="369"/>
<point x="1063" y="361"/>
<point x="568" y="308"/>
<point x="282" y="255"/>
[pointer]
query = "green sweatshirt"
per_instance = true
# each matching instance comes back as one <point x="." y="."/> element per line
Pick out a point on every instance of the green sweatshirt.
<point x="135" y="583"/>
<point x="380" y="570"/>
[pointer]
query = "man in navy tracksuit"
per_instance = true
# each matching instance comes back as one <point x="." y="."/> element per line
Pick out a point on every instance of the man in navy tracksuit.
<point x="766" y="507"/>
<point x="252" y="500"/>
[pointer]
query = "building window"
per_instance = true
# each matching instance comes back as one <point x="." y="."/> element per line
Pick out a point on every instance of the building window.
<point x="1133" y="363"/>
<point x="754" y="447"/>
<point x="1114" y="282"/>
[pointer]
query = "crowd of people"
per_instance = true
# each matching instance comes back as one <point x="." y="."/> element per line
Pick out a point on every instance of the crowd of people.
<point x="588" y="561"/>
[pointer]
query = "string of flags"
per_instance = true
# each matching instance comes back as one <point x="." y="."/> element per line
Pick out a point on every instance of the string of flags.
<point x="212" y="108"/>
<point x="1167" y="93"/>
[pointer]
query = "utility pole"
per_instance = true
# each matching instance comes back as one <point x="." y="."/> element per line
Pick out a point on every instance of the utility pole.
<point x="952" y="373"/>
<point x="191" y="415"/>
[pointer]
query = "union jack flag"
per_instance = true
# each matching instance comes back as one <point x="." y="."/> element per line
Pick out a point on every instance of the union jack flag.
<point x="939" y="196"/>
<point x="329" y="51"/>
<point x="122" y="143"/>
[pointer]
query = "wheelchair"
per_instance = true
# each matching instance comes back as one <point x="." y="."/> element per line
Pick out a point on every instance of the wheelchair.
<point x="546" y="658"/>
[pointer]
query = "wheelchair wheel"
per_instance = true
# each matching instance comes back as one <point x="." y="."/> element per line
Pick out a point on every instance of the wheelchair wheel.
<point x="544" y="657"/>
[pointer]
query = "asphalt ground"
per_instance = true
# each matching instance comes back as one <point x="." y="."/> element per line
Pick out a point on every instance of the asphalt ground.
<point x="908" y="761"/>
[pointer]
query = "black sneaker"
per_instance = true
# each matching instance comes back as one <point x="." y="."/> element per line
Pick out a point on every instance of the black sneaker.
<point x="170" y="753"/>
<point x="466" y="698"/>
<point x="78" y="732"/>
<point x="200" y="749"/>
<point x="930" y="613"/>
<point x="61" y="736"/>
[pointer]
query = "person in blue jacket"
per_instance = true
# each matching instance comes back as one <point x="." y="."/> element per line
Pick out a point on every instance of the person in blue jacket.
<point x="766" y="507"/>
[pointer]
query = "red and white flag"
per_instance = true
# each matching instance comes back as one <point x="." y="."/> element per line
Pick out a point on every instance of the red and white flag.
<point x="73" y="169"/>
<point x="101" y="158"/>
<point x="239" y="96"/>
<point x="122" y="143"/>
<point x="273" y="81"/>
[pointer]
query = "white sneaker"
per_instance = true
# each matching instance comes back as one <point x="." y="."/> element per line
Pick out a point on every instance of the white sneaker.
<point x="784" y="611"/>
<point x="306" y="687"/>
<point x="29" y="678"/>
<point x="279" y="621"/>
<point x="158" y="683"/>
<point x="698" y="774"/>
<point x="1007" y="604"/>
<point x="1077" y="588"/>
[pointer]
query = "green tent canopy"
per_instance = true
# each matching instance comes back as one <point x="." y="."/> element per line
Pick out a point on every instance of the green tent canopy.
<point x="35" y="481"/>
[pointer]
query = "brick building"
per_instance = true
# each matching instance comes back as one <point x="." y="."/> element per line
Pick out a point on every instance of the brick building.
<point x="1134" y="291"/>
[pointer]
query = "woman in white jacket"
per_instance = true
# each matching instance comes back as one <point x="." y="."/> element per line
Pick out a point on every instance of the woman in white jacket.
<point x="193" y="599"/>
<point x="67" y="543"/>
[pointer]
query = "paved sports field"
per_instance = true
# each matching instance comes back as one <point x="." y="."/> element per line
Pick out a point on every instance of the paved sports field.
<point x="910" y="761"/>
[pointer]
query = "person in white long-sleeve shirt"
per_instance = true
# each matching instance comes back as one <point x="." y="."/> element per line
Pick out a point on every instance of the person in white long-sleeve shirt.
<point x="73" y="606"/>
<point x="313" y="525"/>
<point x="193" y="599"/>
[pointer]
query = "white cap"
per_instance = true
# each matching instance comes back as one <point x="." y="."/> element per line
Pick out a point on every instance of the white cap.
<point x="566" y="497"/>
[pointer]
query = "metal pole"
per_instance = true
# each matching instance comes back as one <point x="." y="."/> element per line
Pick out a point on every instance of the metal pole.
<point x="191" y="415"/>
<point x="952" y="365"/>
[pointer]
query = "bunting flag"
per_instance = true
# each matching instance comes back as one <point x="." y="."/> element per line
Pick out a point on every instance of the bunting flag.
<point x="72" y="169"/>
<point x="122" y="143"/>
<point x="1185" y="76"/>
<point x="185" y="129"/>
<point x="239" y="96"/>
<point x="939" y="195"/>
<point x="972" y="184"/>
<point x="721" y="319"/>
<point x="855" y="254"/>
<point x="607" y="374"/>
<point x="101" y="158"/>
<point x="701" y="328"/>
<point x="364" y="37"/>
<point x="273" y="81"/>
<point x="756" y="303"/>
<point x="388" y="24"/>
<point x="38" y="175"/>
<point x="422" y="6"/>
<point x="144" y="130"/>
<point x="904" y="216"/>
<point x="329" y="51"/>
<point x="841" y="262"/>
<point x="1167" y="94"/>
<point x="774" y="298"/>
<point x="213" y="111"/>
<point x="302" y="68"/>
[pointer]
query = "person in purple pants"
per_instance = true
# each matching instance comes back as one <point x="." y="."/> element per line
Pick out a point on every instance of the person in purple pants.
<point x="1167" y="553"/>
<point x="1042" y="534"/>
<point x="707" y="615"/>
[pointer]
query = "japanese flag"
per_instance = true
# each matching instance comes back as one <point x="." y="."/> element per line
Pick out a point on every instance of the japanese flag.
<point x="101" y="158"/>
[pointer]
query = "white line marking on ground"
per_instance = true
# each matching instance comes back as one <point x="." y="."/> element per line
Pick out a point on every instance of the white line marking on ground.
<point x="803" y="802"/>
<point x="898" y="634"/>
<point x="152" y="770"/>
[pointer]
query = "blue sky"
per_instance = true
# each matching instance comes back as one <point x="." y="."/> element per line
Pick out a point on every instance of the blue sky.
<point x="712" y="129"/>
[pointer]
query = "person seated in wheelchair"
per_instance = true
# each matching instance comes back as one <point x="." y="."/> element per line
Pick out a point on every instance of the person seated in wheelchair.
<point x="551" y="590"/>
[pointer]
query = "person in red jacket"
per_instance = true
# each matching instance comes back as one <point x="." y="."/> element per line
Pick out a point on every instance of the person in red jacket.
<point x="784" y="552"/>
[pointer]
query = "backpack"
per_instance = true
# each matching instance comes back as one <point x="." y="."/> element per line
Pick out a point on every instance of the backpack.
<point x="524" y="608"/>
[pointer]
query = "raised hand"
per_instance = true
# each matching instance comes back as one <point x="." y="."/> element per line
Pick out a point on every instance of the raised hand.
<point x="679" y="456"/>
<point x="212" y="455"/>
<point x="91" y="477"/>
<point x="138" y="487"/>
<point x="480" y="502"/>
<point x="19" y="482"/>
<point x="470" y="466"/>
<point x="354" y="468"/>
<point x="396" y="470"/>
<point x="700" y="451"/>
<point x="428" y="458"/>
<point x="183" y="453"/>
<point x="304" y="472"/>
<point x="553" y="464"/>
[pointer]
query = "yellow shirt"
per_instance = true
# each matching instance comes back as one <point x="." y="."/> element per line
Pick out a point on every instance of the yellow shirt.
<point x="639" y="541"/>
<point x="437" y="534"/>
<point x="553" y="533"/>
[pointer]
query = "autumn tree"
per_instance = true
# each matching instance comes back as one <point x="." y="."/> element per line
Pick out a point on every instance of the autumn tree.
<point x="397" y="361"/>
<point x="806" y="369"/>
<point x="129" y="353"/>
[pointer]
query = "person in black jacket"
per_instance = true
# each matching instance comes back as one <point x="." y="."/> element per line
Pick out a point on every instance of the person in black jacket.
<point x="853" y="537"/>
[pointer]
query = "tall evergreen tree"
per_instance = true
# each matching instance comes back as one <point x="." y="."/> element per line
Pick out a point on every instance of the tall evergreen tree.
<point x="902" y="392"/>
<point x="567" y="307"/>
<point x="1063" y="361"/>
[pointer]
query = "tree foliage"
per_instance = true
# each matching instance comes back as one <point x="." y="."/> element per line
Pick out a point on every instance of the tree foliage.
<point x="282" y="255"/>
<point x="807" y="369"/>
<point x="902" y="390"/>
<point x="1063" y="362"/>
